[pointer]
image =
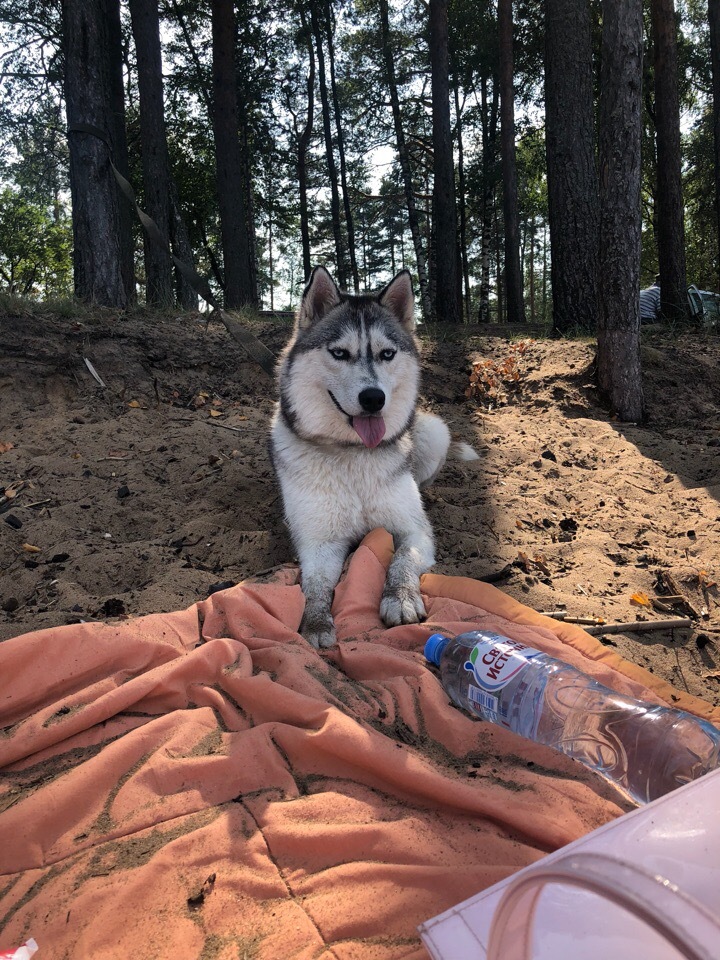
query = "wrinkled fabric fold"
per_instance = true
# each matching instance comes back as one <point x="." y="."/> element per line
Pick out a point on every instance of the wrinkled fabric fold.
<point x="336" y="797"/>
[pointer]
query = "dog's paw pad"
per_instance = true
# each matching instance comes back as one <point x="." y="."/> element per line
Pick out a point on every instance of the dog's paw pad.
<point x="403" y="606"/>
<point x="318" y="629"/>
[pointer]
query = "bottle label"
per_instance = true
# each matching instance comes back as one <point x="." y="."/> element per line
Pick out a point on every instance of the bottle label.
<point x="494" y="661"/>
<point x="488" y="706"/>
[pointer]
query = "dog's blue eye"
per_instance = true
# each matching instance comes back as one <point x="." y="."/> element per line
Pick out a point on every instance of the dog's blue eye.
<point x="339" y="353"/>
<point x="387" y="354"/>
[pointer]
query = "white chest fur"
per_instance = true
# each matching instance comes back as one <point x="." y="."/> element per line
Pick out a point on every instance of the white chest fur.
<point x="340" y="493"/>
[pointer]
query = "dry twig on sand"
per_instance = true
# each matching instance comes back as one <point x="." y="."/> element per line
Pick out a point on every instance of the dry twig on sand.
<point x="637" y="626"/>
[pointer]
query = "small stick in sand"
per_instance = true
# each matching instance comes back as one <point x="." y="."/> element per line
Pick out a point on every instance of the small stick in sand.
<point x="225" y="426"/>
<point x="567" y="618"/>
<point x="638" y="626"/>
<point x="676" y="590"/>
<point x="659" y="605"/>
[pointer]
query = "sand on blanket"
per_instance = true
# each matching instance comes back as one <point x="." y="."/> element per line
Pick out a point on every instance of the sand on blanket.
<point x="204" y="784"/>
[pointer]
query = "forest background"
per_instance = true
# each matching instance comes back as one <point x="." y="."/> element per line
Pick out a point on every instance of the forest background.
<point x="269" y="135"/>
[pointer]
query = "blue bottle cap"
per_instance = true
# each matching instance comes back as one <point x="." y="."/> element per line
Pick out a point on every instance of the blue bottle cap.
<point x="434" y="647"/>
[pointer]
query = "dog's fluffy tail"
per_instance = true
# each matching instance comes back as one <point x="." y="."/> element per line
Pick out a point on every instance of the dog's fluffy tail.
<point x="462" y="451"/>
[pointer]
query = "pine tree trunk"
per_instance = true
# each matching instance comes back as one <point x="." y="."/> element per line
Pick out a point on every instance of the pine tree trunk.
<point x="573" y="200"/>
<point x="238" y="287"/>
<point x="329" y="152"/>
<point x="714" y="19"/>
<point x="447" y="305"/>
<point x="271" y="277"/>
<point x="212" y="258"/>
<point x="120" y="146"/>
<point x="671" y="226"/>
<point x="303" y="144"/>
<point x="341" y="149"/>
<point x="100" y="242"/>
<point x="180" y="241"/>
<point x="153" y="141"/>
<point x="462" y="208"/>
<point x="513" y="273"/>
<point x="531" y="269"/>
<point x="404" y="160"/>
<point x="620" y="125"/>
<point x="247" y="179"/>
<point x="489" y="116"/>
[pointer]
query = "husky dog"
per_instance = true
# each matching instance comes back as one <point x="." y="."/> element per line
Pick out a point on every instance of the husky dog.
<point x="350" y="450"/>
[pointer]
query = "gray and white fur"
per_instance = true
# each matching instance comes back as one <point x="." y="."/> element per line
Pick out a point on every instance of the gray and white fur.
<point x="349" y="447"/>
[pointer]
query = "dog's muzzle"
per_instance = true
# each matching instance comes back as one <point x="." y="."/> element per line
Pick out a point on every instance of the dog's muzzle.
<point x="368" y="425"/>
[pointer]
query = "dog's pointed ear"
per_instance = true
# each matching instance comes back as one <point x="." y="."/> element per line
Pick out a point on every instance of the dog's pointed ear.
<point x="399" y="299"/>
<point x="321" y="295"/>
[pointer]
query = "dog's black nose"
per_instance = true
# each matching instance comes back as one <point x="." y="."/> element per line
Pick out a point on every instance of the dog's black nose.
<point x="371" y="399"/>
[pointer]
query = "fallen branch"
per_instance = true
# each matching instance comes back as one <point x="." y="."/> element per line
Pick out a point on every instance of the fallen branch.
<point x="225" y="426"/>
<point x="641" y="625"/>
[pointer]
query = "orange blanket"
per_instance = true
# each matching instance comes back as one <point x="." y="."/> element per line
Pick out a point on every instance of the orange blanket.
<point x="204" y="784"/>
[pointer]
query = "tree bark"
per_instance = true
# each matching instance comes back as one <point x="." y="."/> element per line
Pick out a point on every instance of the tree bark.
<point x="489" y="118"/>
<point x="404" y="160"/>
<point x="329" y="152"/>
<point x="447" y="306"/>
<point x="120" y="147"/>
<point x="153" y="141"/>
<point x="620" y="126"/>
<point x="531" y="267"/>
<point x="100" y="251"/>
<point x="513" y="273"/>
<point x="341" y="149"/>
<point x="573" y="200"/>
<point x="180" y="241"/>
<point x="246" y="172"/>
<point x="462" y="207"/>
<point x="714" y="19"/>
<point x="671" y="226"/>
<point x="239" y="288"/>
<point x="303" y="144"/>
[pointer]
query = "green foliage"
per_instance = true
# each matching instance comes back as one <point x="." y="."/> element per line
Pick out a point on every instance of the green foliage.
<point x="35" y="248"/>
<point x="701" y="227"/>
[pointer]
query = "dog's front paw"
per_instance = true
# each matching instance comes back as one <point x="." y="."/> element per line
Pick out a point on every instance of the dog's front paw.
<point x="402" y="605"/>
<point x="317" y="627"/>
<point x="322" y="640"/>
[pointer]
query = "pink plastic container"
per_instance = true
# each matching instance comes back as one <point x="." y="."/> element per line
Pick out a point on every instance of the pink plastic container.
<point x="645" y="887"/>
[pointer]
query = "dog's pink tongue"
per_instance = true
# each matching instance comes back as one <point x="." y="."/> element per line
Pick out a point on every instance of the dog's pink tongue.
<point x="371" y="430"/>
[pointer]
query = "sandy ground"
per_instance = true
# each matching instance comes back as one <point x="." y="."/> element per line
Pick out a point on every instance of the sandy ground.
<point x="147" y="494"/>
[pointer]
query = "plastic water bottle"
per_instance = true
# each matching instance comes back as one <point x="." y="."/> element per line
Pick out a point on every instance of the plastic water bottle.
<point x="644" y="749"/>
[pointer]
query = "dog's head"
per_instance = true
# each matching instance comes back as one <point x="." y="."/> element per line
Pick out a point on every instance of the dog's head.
<point x="350" y="373"/>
